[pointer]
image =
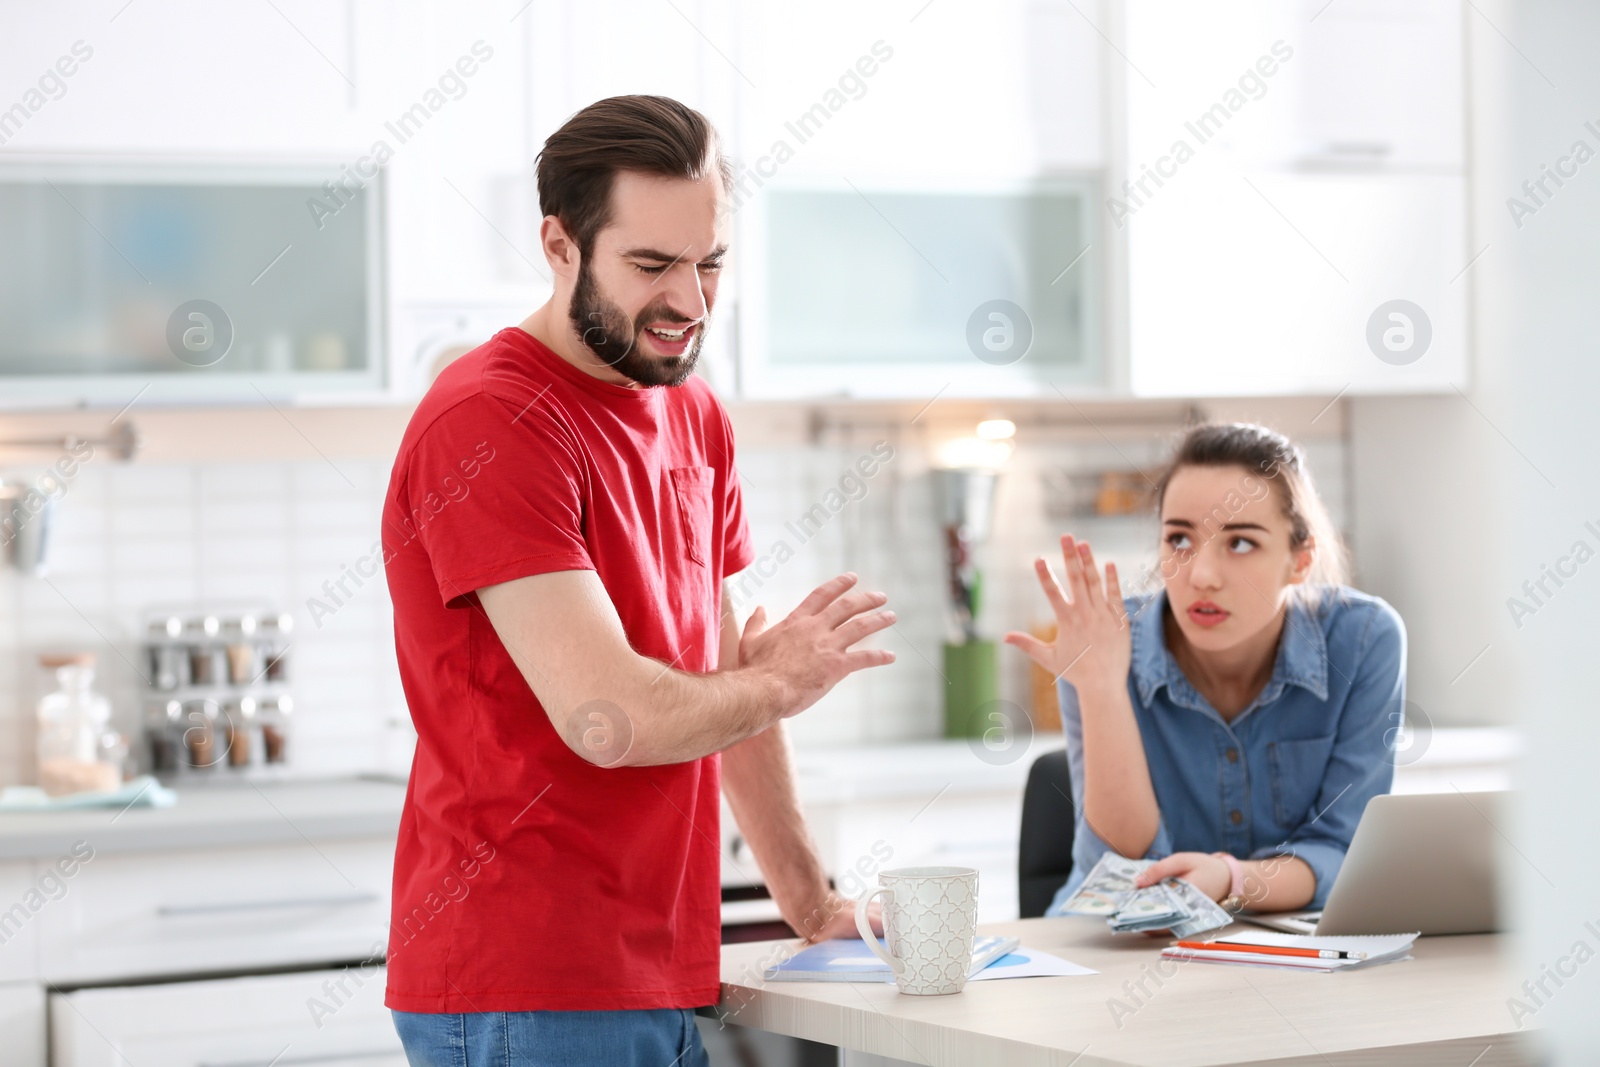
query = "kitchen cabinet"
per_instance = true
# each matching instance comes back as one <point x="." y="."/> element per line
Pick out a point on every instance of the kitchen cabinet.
<point x="895" y="292"/>
<point x="463" y="213"/>
<point x="21" y="899"/>
<point x="433" y="97"/>
<point x="1377" y="84"/>
<point x="1005" y="90"/>
<point x="193" y="77"/>
<point x="311" y="1019"/>
<point x="1266" y="283"/>
<point x="186" y="282"/>
<point x="181" y="912"/>
<point x="916" y="199"/>
<point x="281" y="876"/>
<point x="1294" y="198"/>
<point x="1302" y="84"/>
<point x="22" y="1022"/>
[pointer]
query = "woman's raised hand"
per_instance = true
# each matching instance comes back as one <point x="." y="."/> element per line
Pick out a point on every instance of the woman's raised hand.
<point x="1093" y="646"/>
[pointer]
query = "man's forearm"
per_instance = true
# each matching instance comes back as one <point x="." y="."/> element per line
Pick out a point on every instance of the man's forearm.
<point x="619" y="708"/>
<point x="616" y="708"/>
<point x="759" y="782"/>
<point x="684" y="716"/>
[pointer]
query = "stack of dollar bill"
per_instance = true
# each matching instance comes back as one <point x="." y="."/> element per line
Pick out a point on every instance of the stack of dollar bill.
<point x="1170" y="904"/>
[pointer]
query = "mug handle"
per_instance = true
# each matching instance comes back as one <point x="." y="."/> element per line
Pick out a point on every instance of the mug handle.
<point x="865" y="929"/>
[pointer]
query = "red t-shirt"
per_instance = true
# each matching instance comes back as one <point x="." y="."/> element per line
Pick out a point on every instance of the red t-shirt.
<point x="526" y="877"/>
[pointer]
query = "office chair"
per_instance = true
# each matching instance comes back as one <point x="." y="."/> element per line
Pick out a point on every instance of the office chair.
<point x="1044" y="856"/>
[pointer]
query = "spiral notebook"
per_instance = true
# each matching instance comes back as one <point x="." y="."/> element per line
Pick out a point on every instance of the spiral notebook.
<point x="1380" y="948"/>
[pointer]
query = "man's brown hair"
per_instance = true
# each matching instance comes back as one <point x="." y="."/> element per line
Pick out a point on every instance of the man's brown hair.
<point x="650" y="134"/>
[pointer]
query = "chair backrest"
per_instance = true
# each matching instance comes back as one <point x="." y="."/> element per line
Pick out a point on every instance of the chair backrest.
<point x="1044" y="855"/>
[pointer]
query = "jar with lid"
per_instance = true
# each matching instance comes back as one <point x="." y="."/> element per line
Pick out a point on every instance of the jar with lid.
<point x="164" y="732"/>
<point x="78" y="751"/>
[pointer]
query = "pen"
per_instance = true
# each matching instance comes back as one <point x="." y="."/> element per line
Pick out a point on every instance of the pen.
<point x="1274" y="950"/>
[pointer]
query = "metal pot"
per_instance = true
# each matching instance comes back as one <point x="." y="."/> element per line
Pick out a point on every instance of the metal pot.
<point x="26" y="515"/>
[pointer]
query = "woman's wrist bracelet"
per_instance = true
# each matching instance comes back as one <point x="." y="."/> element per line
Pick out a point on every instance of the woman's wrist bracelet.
<point x="1235" y="900"/>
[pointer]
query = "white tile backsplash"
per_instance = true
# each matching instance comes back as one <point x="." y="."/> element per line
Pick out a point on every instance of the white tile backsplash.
<point x="132" y="537"/>
<point x="216" y="534"/>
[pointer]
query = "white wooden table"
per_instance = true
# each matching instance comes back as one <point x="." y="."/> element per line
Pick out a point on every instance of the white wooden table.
<point x="1445" y="1007"/>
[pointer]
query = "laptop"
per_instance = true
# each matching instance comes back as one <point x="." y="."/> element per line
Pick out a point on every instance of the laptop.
<point x="1418" y="862"/>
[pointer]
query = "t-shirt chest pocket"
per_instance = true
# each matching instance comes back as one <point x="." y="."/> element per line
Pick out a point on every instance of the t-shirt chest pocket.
<point x="691" y="494"/>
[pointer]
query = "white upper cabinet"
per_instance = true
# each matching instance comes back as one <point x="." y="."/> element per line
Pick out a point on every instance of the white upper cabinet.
<point x="1009" y="89"/>
<point x="915" y="199"/>
<point x="1294" y="203"/>
<point x="1301" y="84"/>
<point x="1271" y="283"/>
<point x="1186" y="199"/>
<point x="463" y="228"/>
<point x="190" y="76"/>
<point x="1372" y="83"/>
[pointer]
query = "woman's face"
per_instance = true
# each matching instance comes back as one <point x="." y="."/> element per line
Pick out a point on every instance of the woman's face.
<point x="1225" y="556"/>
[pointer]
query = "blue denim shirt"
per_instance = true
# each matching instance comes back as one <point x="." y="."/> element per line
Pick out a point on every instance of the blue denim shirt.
<point x="1292" y="773"/>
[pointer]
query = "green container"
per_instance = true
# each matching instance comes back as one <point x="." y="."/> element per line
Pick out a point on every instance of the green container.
<point x="971" y="672"/>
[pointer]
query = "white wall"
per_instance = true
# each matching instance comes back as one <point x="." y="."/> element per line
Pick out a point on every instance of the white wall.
<point x="1534" y="85"/>
<point x="1428" y="522"/>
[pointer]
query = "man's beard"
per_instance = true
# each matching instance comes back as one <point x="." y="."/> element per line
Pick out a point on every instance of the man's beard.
<point x="605" y="329"/>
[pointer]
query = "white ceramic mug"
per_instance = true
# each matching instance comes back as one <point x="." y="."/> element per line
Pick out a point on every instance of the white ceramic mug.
<point x="930" y="915"/>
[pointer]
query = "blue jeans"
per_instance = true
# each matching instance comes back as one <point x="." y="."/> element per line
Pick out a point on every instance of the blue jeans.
<point x="656" y="1037"/>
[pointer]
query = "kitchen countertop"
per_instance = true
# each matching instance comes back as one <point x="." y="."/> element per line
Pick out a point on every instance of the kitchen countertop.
<point x="208" y="816"/>
<point x="236" y="814"/>
<point x="1430" y="760"/>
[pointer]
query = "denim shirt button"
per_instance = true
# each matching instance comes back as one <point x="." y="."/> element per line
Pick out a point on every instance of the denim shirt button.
<point x="1236" y="816"/>
<point x="1233" y="755"/>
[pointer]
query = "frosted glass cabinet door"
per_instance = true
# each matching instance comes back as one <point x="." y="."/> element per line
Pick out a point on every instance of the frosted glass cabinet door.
<point x="190" y="282"/>
<point x="899" y="292"/>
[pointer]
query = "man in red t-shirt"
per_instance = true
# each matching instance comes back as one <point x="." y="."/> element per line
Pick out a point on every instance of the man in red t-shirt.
<point x="562" y="516"/>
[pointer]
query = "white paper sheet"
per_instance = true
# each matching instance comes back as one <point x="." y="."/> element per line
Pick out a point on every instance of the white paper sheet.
<point x="1029" y="963"/>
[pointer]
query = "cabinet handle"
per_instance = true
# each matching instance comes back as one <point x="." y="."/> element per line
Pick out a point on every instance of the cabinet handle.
<point x="264" y="905"/>
<point x="306" y="1061"/>
<point x="1344" y="154"/>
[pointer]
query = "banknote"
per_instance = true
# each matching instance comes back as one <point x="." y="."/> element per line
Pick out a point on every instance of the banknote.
<point x="1173" y="903"/>
<point x="1108" y="884"/>
<point x="1201" y="912"/>
<point x="1150" y="908"/>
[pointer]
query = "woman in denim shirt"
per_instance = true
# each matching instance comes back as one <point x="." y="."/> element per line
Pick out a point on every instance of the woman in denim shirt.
<point x="1234" y="724"/>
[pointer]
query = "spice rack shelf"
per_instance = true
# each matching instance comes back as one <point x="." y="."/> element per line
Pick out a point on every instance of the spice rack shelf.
<point x="217" y="702"/>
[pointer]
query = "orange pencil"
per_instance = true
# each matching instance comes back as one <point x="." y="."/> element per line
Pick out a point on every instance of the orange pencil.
<point x="1274" y="950"/>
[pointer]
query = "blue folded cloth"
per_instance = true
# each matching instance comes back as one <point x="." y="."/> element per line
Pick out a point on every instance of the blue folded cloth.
<point x="141" y="792"/>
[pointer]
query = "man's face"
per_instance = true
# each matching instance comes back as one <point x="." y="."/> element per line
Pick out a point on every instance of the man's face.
<point x="645" y="291"/>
